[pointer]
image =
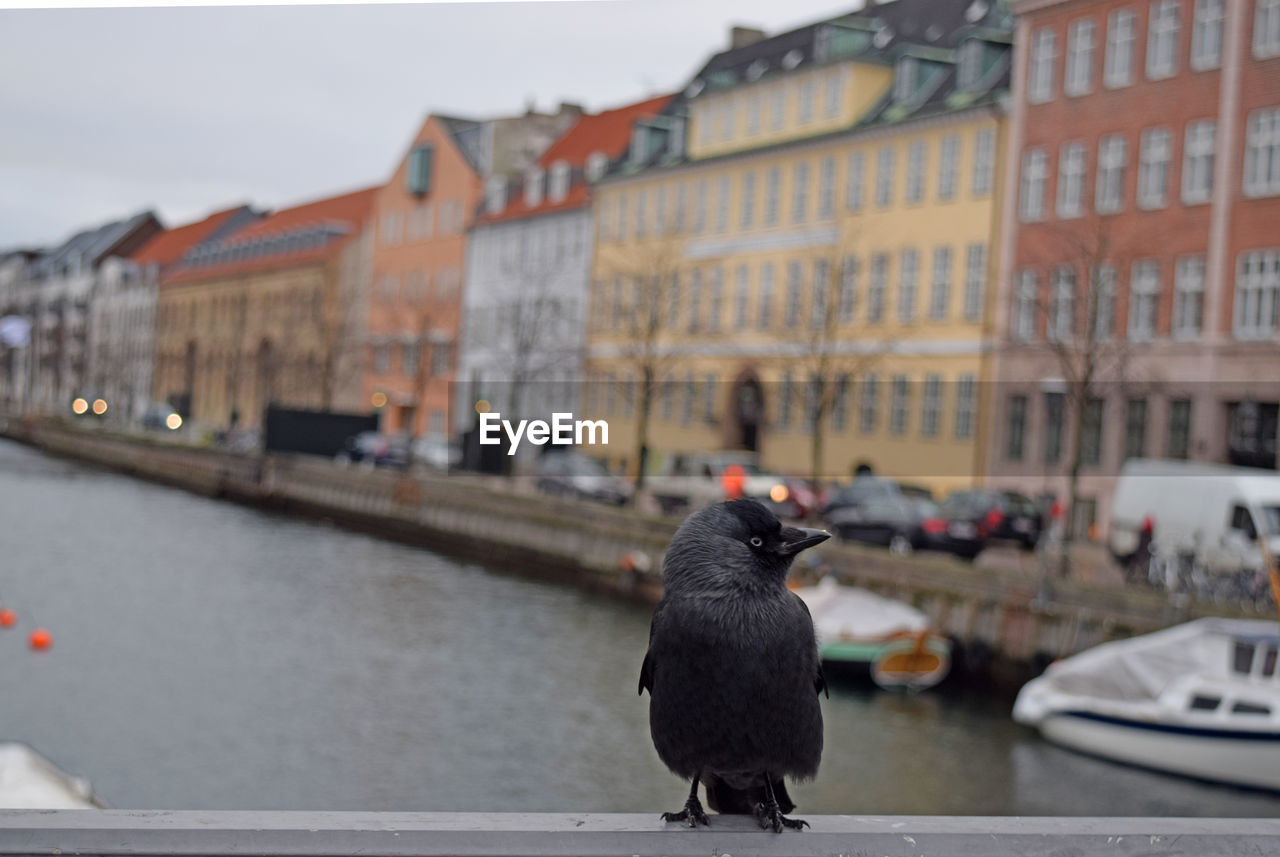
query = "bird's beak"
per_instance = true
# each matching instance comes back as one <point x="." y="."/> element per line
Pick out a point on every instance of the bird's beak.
<point x="796" y="539"/>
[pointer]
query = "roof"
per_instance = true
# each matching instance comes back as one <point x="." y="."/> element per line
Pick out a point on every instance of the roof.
<point x="607" y="131"/>
<point x="169" y="246"/>
<point x="90" y="247"/>
<point x="304" y="234"/>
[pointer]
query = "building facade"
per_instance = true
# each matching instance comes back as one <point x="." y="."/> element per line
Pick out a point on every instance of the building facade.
<point x="421" y="218"/>
<point x="797" y="254"/>
<point x="1141" y="271"/>
<point x="528" y="267"/>
<point x="270" y="314"/>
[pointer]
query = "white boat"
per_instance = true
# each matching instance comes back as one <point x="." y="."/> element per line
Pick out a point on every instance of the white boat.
<point x="1200" y="699"/>
<point x="30" y="781"/>
<point x="893" y="641"/>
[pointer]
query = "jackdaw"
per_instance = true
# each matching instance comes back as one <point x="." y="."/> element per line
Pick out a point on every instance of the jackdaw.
<point x="732" y="669"/>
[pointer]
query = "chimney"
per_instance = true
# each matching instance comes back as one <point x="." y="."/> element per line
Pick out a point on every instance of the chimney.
<point x="570" y="107"/>
<point x="740" y="37"/>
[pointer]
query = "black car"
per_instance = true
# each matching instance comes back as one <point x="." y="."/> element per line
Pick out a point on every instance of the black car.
<point x="373" y="449"/>
<point x="865" y="489"/>
<point x="901" y="522"/>
<point x="997" y="515"/>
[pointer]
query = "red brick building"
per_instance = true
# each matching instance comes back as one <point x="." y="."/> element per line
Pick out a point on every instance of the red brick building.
<point x="1140" y="268"/>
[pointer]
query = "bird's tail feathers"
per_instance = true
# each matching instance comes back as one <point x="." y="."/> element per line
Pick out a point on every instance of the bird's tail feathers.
<point x="727" y="800"/>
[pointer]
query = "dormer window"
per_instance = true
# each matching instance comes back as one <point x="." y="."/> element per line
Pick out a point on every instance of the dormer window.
<point x="639" y="143"/>
<point x="905" y="79"/>
<point x="977" y="11"/>
<point x="756" y="70"/>
<point x="883" y="37"/>
<point x="533" y="187"/>
<point x="495" y="194"/>
<point x="791" y="59"/>
<point x="418" y="180"/>
<point x="559" y="181"/>
<point x="969" y="65"/>
<point x="597" y="164"/>
<point x="694" y="89"/>
<point x="675" y="136"/>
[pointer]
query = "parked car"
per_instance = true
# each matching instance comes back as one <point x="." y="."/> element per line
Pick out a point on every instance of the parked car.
<point x="1210" y="514"/>
<point x="574" y="474"/>
<point x="436" y="453"/>
<point x="866" y="488"/>
<point x="996" y="515"/>
<point x="374" y="449"/>
<point x="906" y="523"/>
<point x="161" y="417"/>
<point x="695" y="480"/>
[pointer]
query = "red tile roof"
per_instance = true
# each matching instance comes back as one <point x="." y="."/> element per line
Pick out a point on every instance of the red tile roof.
<point x="608" y="131"/>
<point x="577" y="197"/>
<point x="168" y="246"/>
<point x="350" y="208"/>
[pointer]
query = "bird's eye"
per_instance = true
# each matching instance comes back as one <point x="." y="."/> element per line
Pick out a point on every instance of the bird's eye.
<point x="756" y="541"/>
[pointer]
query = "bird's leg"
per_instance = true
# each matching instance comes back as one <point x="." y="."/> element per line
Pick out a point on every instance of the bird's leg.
<point x="692" y="814"/>
<point x="769" y="815"/>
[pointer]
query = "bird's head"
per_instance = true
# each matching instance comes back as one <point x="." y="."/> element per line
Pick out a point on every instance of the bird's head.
<point x="737" y="542"/>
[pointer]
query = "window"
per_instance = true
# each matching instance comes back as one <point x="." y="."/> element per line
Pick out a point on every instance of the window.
<point x="1078" y="77"/>
<point x="1154" y="154"/>
<point x="766" y="295"/>
<point x="1062" y="306"/>
<point x="642" y="211"/>
<point x="827" y="188"/>
<point x="1135" y="428"/>
<point x="1266" y="29"/>
<point x="622" y="217"/>
<point x="1016" y="430"/>
<point x="834" y="94"/>
<point x="1112" y="158"/>
<point x="853" y="185"/>
<point x="984" y="159"/>
<point x="907" y="286"/>
<point x="715" y="309"/>
<point x="966" y="406"/>
<point x="795" y="277"/>
<point x="784" y="402"/>
<point x="418" y="177"/>
<point x="1206" y="34"/>
<point x="660" y="212"/>
<point x="728" y="118"/>
<point x="847" y="301"/>
<point x="533" y="194"/>
<point x="900" y="406"/>
<point x="820" y="306"/>
<point x="690" y="394"/>
<point x="700" y="207"/>
<point x="975" y="281"/>
<point x="409" y="358"/>
<point x="753" y="113"/>
<point x="1257" y="298"/>
<point x="748" y="202"/>
<point x="695" y="300"/>
<point x="1121" y="34"/>
<point x="559" y="181"/>
<point x="392" y="230"/>
<point x="877" y="288"/>
<point x="382" y="359"/>
<point x="1262" y="153"/>
<point x="905" y="78"/>
<point x="800" y="192"/>
<point x="868" y="410"/>
<point x="709" y="398"/>
<point x="597" y="164"/>
<point x="969" y="65"/>
<point x="1144" y="298"/>
<point x="931" y="405"/>
<point x="673" y="302"/>
<point x="1040" y="75"/>
<point x="1035" y="167"/>
<point x="1071" y="180"/>
<point x="1024" y="307"/>
<point x="948" y="165"/>
<point x="940" y="296"/>
<point x="916" y="153"/>
<point x="840" y="404"/>
<point x="722" y="209"/>
<point x="806" y="102"/>
<point x="1054" y="411"/>
<point x="742" y="297"/>
<point x="779" y="107"/>
<point x="1104" y="300"/>
<point x="773" y="182"/>
<point x="884" y="176"/>
<point x="1188" y="297"/>
<point x="1179" y="443"/>
<point x="1197" y="162"/>
<point x="1162" y="39"/>
<point x="1091" y="432"/>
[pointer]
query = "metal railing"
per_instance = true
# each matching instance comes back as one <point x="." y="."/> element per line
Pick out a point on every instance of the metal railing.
<point x="388" y="834"/>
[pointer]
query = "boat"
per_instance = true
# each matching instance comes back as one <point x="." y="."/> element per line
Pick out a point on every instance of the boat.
<point x="30" y="781"/>
<point x="1201" y="699"/>
<point x="859" y="631"/>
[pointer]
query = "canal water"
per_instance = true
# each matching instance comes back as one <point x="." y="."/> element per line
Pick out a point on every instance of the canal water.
<point x="210" y="656"/>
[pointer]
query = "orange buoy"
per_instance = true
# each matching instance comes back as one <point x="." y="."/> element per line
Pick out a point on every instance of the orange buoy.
<point x="40" y="639"/>
<point x="8" y="618"/>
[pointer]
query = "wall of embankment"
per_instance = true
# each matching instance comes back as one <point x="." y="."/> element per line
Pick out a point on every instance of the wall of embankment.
<point x="1005" y="626"/>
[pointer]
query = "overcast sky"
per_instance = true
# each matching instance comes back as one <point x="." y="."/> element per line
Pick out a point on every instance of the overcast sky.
<point x="105" y="112"/>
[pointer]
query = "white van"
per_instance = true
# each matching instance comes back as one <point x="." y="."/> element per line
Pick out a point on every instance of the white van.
<point x="1210" y="511"/>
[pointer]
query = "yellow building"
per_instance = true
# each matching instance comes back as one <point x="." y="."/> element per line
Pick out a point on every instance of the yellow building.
<point x="268" y="315"/>
<point x="808" y="237"/>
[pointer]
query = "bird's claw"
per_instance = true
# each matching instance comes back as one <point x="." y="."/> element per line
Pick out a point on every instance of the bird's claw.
<point x="770" y="817"/>
<point x="692" y="814"/>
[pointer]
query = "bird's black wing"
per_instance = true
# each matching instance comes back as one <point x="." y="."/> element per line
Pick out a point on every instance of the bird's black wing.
<point x="819" y="679"/>
<point x="646" y="668"/>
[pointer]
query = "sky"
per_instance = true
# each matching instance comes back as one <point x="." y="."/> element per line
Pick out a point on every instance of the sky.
<point x="185" y="111"/>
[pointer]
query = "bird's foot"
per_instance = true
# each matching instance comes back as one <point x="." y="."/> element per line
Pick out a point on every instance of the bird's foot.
<point x="691" y="815"/>
<point x="769" y="816"/>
